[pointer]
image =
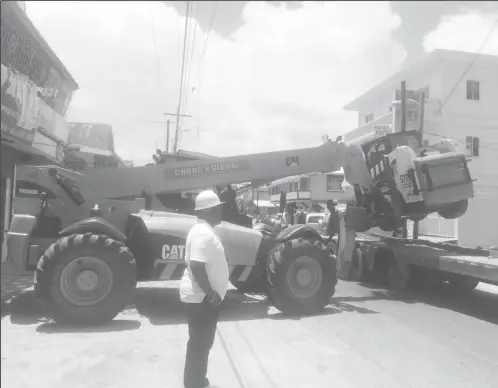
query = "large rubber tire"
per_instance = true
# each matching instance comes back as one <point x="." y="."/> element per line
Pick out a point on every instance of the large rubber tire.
<point x="282" y="274"/>
<point x="95" y="256"/>
<point x="461" y="284"/>
<point x="454" y="210"/>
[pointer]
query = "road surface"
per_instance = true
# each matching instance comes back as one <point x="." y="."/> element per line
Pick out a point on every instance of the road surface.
<point x="367" y="338"/>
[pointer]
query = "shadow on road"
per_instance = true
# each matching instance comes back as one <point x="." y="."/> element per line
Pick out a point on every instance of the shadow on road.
<point x="162" y="306"/>
<point x="25" y="309"/>
<point x="478" y="304"/>
<point x="116" y="325"/>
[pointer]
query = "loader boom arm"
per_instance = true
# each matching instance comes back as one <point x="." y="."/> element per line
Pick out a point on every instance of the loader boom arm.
<point x="198" y="174"/>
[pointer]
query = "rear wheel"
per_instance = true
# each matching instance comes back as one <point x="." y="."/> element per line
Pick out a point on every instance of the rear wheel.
<point x="462" y="284"/>
<point x="302" y="276"/>
<point x="454" y="210"/>
<point x="85" y="278"/>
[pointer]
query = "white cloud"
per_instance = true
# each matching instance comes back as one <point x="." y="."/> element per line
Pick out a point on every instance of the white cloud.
<point x="464" y="32"/>
<point x="278" y="82"/>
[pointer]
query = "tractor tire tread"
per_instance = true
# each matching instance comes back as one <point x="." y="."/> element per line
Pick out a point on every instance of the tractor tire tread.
<point x="62" y="252"/>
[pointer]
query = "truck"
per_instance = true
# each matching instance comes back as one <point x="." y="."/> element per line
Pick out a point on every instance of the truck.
<point x="90" y="236"/>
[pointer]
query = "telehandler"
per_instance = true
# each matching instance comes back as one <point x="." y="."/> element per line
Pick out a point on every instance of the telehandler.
<point x="90" y="236"/>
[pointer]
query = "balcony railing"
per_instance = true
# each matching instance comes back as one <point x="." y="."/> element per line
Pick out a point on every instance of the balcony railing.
<point x="24" y="112"/>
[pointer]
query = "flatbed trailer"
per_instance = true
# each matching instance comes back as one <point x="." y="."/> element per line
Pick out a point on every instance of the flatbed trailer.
<point x="414" y="263"/>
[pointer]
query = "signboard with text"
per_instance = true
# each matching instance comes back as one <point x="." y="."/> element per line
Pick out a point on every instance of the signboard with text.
<point x="208" y="169"/>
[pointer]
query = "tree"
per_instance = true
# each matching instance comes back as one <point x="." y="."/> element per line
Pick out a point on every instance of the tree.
<point x="158" y="156"/>
<point x="326" y="139"/>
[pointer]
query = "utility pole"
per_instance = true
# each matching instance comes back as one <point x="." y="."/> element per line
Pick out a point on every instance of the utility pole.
<point x="167" y="128"/>
<point x="167" y="136"/>
<point x="181" y="81"/>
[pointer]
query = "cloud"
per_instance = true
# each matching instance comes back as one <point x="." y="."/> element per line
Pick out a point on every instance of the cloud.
<point x="465" y="32"/>
<point x="277" y="82"/>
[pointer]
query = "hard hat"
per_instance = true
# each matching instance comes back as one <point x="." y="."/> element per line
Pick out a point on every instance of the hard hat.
<point x="207" y="199"/>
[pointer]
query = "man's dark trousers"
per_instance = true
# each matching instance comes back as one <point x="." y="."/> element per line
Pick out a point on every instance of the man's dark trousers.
<point x="202" y="320"/>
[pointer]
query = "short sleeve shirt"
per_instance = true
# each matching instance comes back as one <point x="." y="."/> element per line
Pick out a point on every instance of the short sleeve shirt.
<point x="203" y="245"/>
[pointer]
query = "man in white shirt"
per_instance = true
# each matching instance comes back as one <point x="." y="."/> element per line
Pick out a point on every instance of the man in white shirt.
<point x="203" y="287"/>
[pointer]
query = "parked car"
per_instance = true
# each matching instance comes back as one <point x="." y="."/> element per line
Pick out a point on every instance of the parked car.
<point x="313" y="220"/>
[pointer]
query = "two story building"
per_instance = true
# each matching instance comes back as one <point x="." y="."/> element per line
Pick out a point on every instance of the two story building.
<point x="91" y="145"/>
<point x="462" y="100"/>
<point x="311" y="190"/>
<point x="35" y="94"/>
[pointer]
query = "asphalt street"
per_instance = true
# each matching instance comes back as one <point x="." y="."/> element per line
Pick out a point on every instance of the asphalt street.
<point x="368" y="337"/>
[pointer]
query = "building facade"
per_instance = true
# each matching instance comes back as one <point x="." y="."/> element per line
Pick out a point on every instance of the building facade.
<point x="462" y="98"/>
<point x="36" y="90"/>
<point x="311" y="189"/>
<point x="91" y="145"/>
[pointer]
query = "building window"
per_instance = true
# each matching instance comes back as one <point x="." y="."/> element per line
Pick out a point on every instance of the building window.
<point x="412" y="115"/>
<point x="473" y="90"/>
<point x="304" y="184"/>
<point x="334" y="183"/>
<point x="369" y="117"/>
<point x="472" y="146"/>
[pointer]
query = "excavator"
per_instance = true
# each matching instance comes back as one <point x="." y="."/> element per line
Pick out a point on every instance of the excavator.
<point x="90" y="236"/>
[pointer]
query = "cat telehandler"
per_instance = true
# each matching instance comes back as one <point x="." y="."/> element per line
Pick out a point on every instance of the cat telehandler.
<point x="90" y="236"/>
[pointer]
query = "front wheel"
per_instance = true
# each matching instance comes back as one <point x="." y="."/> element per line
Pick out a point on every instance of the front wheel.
<point x="302" y="276"/>
<point x="85" y="278"/>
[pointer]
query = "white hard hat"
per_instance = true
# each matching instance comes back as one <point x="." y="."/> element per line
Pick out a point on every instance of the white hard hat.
<point x="207" y="199"/>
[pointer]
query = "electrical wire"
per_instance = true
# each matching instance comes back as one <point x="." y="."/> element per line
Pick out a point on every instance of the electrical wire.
<point x="188" y="90"/>
<point x="471" y="63"/>
<point x="120" y="117"/>
<point x="199" y="72"/>
<point x="158" y="64"/>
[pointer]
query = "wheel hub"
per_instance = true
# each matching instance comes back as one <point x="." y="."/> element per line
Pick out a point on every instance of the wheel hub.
<point x="86" y="281"/>
<point x="304" y="277"/>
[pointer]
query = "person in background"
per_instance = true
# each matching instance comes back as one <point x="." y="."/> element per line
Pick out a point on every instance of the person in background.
<point x="333" y="222"/>
<point x="203" y="287"/>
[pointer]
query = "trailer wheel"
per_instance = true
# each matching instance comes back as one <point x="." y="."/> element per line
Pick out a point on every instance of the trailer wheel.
<point x="302" y="276"/>
<point x="85" y="278"/>
<point x="462" y="284"/>
<point x="454" y="210"/>
<point x="357" y="269"/>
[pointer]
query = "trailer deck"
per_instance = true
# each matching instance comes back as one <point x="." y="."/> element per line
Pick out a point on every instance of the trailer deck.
<point x="481" y="264"/>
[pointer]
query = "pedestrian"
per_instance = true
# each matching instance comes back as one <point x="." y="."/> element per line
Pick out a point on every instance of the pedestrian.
<point x="333" y="223"/>
<point x="203" y="287"/>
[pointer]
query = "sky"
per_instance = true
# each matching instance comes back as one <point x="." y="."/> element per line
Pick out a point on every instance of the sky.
<point x="259" y="76"/>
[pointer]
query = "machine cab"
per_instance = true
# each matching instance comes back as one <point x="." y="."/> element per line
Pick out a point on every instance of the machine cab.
<point x="376" y="150"/>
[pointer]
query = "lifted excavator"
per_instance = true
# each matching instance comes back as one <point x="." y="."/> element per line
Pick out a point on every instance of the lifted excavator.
<point x="90" y="236"/>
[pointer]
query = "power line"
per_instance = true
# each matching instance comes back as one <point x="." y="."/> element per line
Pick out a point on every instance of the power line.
<point x="120" y="117"/>
<point x="158" y="64"/>
<point x="211" y="23"/>
<point x="192" y="53"/>
<point x="471" y="63"/>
